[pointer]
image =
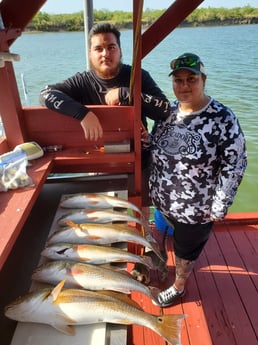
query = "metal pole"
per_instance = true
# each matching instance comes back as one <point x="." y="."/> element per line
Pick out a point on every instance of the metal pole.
<point x="88" y="23"/>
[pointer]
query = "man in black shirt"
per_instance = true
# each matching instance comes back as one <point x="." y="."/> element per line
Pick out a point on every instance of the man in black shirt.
<point x="107" y="82"/>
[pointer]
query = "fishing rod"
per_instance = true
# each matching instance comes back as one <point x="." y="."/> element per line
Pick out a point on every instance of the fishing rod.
<point x="25" y="89"/>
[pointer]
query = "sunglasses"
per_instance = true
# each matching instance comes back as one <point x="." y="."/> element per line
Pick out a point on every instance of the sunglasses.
<point x="187" y="61"/>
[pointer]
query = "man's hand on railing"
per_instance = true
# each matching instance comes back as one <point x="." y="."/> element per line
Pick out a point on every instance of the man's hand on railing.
<point x="92" y="127"/>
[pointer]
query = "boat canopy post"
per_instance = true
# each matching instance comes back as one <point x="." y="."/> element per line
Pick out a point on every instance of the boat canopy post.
<point x="88" y="23"/>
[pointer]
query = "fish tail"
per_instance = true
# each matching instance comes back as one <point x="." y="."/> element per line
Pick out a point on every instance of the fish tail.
<point x="154" y="291"/>
<point x="136" y="209"/>
<point x="156" y="250"/>
<point x="147" y="261"/>
<point x="169" y="327"/>
<point x="72" y="224"/>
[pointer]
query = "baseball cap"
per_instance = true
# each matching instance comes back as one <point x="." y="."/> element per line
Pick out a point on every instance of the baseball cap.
<point x="187" y="61"/>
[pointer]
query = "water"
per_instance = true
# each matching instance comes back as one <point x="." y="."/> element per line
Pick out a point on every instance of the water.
<point x="229" y="53"/>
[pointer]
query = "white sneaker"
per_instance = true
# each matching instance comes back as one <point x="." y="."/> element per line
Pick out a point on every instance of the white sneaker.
<point x="169" y="296"/>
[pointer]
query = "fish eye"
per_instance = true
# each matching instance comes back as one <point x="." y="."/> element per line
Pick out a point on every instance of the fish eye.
<point x="160" y="319"/>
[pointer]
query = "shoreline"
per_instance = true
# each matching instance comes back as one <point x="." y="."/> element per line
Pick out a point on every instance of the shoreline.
<point x="145" y="25"/>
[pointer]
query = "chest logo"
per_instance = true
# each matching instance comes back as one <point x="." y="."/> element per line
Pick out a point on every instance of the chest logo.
<point x="178" y="140"/>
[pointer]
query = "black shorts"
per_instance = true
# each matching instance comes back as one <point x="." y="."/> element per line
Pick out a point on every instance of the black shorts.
<point x="189" y="239"/>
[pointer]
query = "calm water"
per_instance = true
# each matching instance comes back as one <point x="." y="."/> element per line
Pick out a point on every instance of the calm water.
<point x="230" y="55"/>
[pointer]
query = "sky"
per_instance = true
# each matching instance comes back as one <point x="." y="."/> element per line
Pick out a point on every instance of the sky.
<point x="72" y="6"/>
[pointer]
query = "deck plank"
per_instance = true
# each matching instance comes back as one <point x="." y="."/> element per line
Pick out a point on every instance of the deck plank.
<point x="143" y="335"/>
<point x="150" y="337"/>
<point x="234" y="309"/>
<point x="248" y="249"/>
<point x="196" y="323"/>
<point x="194" y="327"/>
<point x="176" y="309"/>
<point x="212" y="305"/>
<point x="240" y="272"/>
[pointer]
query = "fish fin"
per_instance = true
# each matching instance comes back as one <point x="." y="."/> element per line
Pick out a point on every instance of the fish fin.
<point x="57" y="289"/>
<point x="169" y="327"/>
<point x="66" y="329"/>
<point x="121" y="297"/>
<point x="154" y="293"/>
<point x="72" y="224"/>
<point x="76" y="270"/>
<point x="94" y="238"/>
<point x="90" y="198"/>
<point x="122" y="322"/>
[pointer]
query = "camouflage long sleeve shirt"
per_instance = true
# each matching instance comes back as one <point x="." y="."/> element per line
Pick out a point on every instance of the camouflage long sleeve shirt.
<point x="198" y="163"/>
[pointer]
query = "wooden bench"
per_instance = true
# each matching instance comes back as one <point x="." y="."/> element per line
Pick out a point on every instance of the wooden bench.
<point x="16" y="205"/>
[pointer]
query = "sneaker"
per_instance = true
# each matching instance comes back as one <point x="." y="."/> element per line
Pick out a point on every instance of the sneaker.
<point x="169" y="296"/>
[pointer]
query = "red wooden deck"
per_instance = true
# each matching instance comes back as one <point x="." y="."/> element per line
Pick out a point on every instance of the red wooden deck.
<point x="221" y="301"/>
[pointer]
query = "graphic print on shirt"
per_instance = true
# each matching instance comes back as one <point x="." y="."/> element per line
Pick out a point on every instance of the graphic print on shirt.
<point x="178" y="140"/>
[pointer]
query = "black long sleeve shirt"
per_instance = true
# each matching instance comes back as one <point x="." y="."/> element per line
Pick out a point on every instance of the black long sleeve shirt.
<point x="72" y="96"/>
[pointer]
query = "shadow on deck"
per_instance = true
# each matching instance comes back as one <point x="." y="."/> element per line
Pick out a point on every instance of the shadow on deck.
<point x="221" y="301"/>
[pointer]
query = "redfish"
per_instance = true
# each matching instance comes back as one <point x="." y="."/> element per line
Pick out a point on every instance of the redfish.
<point x="64" y="308"/>
<point x="92" y="254"/>
<point x="104" y="217"/>
<point x="97" y="216"/>
<point x="101" y="234"/>
<point x="99" y="201"/>
<point x="90" y="277"/>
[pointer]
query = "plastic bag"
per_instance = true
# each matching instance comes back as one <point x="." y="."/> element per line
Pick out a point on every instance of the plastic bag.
<point x="13" y="173"/>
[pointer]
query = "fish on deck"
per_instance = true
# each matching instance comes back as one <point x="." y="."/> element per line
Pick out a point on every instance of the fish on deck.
<point x="99" y="201"/>
<point x="100" y="216"/>
<point x="101" y="234"/>
<point x="92" y="254"/>
<point x="63" y="308"/>
<point x="97" y="216"/>
<point x="91" y="277"/>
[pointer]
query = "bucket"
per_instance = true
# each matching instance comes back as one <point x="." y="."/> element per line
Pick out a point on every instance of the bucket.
<point x="161" y="223"/>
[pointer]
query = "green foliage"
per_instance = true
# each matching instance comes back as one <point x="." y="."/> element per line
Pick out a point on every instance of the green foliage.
<point x="217" y="15"/>
<point x="201" y="16"/>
